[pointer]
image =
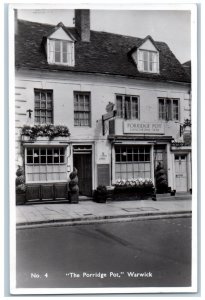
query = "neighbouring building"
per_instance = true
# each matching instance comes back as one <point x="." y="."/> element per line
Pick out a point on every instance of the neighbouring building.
<point x="125" y="100"/>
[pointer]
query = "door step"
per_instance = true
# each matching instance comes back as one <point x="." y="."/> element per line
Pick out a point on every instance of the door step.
<point x="85" y="198"/>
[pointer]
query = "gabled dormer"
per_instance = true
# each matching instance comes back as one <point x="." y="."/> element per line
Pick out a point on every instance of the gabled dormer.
<point x="59" y="44"/>
<point x="146" y="56"/>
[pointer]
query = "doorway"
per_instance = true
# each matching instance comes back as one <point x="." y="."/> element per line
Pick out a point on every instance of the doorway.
<point x="181" y="172"/>
<point x="82" y="161"/>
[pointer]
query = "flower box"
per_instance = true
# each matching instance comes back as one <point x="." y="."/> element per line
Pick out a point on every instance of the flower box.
<point x="134" y="189"/>
<point x="46" y="139"/>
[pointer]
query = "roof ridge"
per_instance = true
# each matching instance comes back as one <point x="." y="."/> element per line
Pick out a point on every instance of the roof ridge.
<point x="103" y="32"/>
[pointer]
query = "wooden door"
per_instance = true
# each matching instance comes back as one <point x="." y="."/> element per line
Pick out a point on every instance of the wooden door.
<point x="181" y="173"/>
<point x="83" y="163"/>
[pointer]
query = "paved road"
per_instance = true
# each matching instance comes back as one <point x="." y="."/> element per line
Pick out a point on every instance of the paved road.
<point x="106" y="255"/>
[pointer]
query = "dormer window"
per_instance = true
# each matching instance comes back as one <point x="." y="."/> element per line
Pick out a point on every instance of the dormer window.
<point x="146" y="56"/>
<point x="60" y="47"/>
<point x="60" y="52"/>
<point x="148" y="61"/>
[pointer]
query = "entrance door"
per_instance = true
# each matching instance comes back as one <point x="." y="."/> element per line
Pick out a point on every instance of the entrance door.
<point x="181" y="172"/>
<point x="82" y="161"/>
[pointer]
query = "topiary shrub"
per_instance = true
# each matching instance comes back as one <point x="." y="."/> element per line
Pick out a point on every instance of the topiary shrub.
<point x="20" y="186"/>
<point x="73" y="195"/>
<point x="161" y="179"/>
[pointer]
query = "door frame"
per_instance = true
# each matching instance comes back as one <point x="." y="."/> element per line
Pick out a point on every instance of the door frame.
<point x="187" y="168"/>
<point x="92" y="158"/>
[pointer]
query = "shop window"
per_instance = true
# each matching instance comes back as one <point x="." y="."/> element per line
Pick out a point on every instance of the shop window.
<point x="43" y="106"/>
<point x="45" y="164"/>
<point x="148" y="61"/>
<point x="168" y="109"/>
<point x="127" y="106"/>
<point x="82" y="113"/>
<point x="132" y="162"/>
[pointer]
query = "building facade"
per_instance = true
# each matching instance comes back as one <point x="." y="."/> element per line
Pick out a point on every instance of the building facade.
<point x="126" y="102"/>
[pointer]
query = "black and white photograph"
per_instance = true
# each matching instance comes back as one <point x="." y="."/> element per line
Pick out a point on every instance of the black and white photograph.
<point x="103" y="149"/>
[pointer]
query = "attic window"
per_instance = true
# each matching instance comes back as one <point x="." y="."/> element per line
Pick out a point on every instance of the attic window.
<point x="60" y="52"/>
<point x="148" y="61"/>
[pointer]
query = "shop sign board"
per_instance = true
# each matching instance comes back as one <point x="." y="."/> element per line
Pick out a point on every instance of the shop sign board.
<point x="132" y="126"/>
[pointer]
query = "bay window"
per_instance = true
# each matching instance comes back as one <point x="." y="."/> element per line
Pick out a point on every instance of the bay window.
<point x="45" y="164"/>
<point x="132" y="161"/>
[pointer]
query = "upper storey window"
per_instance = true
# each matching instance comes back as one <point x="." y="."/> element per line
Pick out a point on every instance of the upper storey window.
<point x="60" y="47"/>
<point x="61" y="52"/>
<point x="148" y="61"/>
<point x="146" y="56"/>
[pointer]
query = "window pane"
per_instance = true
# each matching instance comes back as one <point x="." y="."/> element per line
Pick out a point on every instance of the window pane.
<point x="57" y="56"/>
<point x="175" y="110"/>
<point x="119" y="106"/>
<point x="29" y="151"/>
<point x="169" y="109"/>
<point x="29" y="159"/>
<point x="43" y="104"/>
<point x="57" y="46"/>
<point x="49" y="96"/>
<point x="81" y="109"/>
<point x="127" y="108"/>
<point x="43" y="159"/>
<point x="37" y="95"/>
<point x="43" y="96"/>
<point x="65" y="57"/>
<point x="64" y="46"/>
<point x="134" y="107"/>
<point x="162" y="111"/>
<point x="37" y="104"/>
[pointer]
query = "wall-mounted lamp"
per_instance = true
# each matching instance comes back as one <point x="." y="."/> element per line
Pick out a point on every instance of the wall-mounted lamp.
<point x="29" y="112"/>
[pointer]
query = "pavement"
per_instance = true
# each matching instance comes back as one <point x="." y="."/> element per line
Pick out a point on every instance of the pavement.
<point x="89" y="212"/>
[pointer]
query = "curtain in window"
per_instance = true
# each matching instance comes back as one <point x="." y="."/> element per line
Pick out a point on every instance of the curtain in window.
<point x="51" y="51"/>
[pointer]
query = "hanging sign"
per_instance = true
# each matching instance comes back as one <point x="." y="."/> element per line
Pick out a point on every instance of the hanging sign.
<point x="132" y="126"/>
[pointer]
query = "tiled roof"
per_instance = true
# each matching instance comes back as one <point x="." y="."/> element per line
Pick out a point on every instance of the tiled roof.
<point x="187" y="67"/>
<point x="106" y="53"/>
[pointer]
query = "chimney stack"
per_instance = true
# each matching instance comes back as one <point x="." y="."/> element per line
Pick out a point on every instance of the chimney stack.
<point x="15" y="21"/>
<point x="82" y="24"/>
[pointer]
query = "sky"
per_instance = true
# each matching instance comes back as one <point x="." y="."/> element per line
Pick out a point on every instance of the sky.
<point x="170" y="26"/>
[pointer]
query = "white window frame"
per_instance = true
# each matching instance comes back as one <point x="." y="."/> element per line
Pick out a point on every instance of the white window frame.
<point x="169" y="115"/>
<point x="46" y="164"/>
<point x="123" y="110"/>
<point x="51" y="44"/>
<point x="81" y="110"/>
<point x="141" y="61"/>
<point x="135" y="159"/>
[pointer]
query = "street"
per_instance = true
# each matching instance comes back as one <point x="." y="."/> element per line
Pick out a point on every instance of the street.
<point x="148" y="253"/>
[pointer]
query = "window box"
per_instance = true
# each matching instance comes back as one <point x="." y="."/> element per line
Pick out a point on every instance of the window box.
<point x="26" y="138"/>
<point x="130" y="193"/>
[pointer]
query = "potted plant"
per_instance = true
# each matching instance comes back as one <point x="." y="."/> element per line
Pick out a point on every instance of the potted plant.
<point x="100" y="194"/>
<point x="21" y="194"/>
